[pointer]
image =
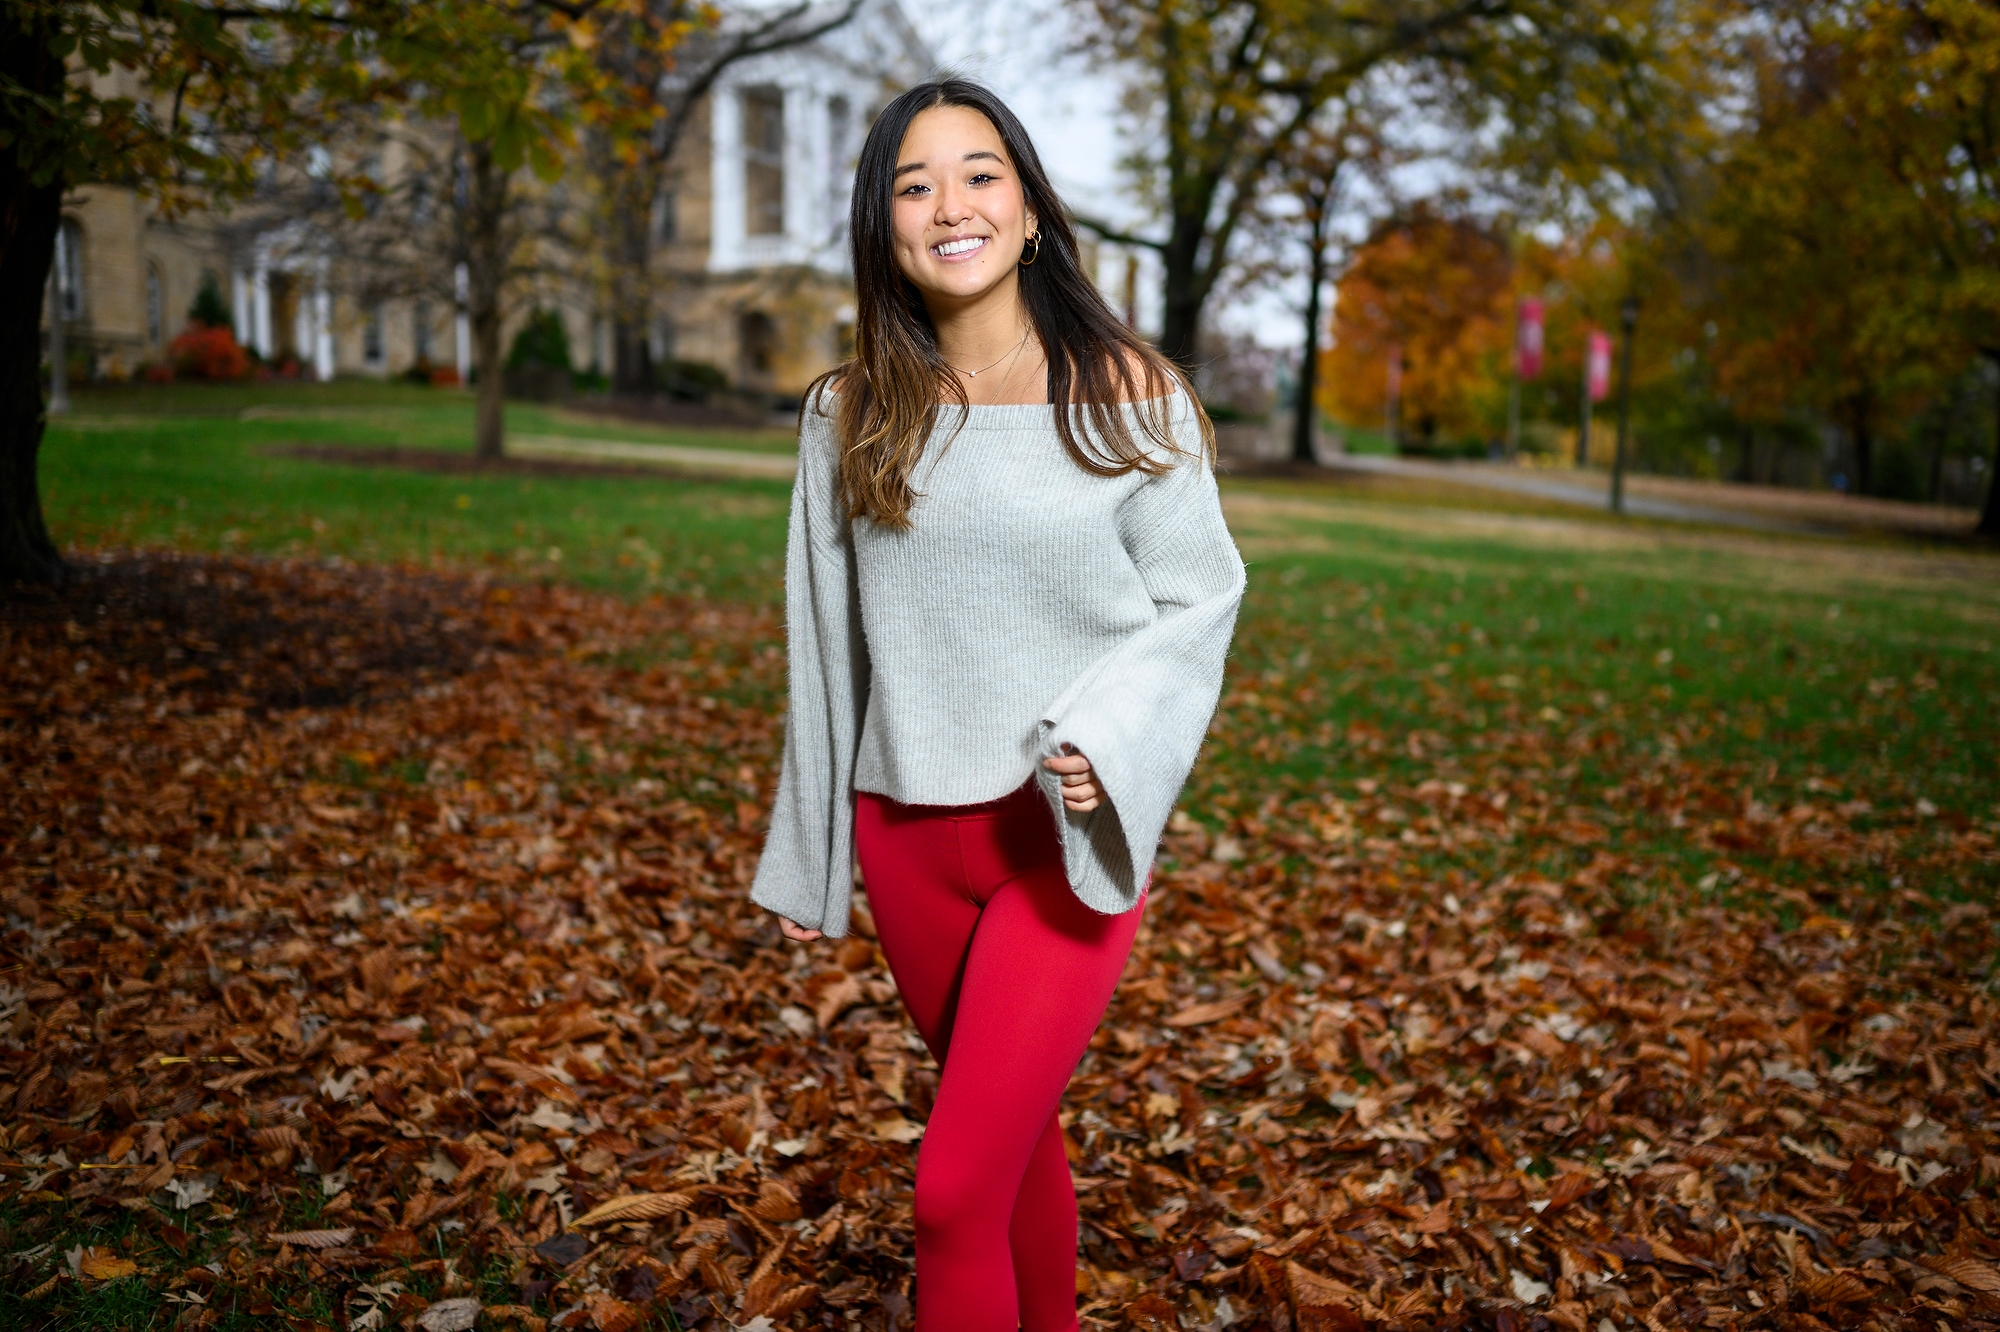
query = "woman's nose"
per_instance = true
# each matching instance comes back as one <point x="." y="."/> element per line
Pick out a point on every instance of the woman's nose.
<point x="951" y="210"/>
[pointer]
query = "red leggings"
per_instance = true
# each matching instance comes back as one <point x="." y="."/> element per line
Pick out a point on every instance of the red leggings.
<point x="1006" y="975"/>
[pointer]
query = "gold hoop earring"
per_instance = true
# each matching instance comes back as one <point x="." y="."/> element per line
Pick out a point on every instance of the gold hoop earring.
<point x="1034" y="251"/>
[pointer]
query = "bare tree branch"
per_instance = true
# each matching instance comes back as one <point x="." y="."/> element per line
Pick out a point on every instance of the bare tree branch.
<point x="1106" y="232"/>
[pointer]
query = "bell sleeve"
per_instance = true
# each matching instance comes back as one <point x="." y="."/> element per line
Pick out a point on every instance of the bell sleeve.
<point x="806" y="870"/>
<point x="1140" y="711"/>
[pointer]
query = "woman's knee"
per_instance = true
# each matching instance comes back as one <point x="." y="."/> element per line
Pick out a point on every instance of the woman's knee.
<point x="956" y="1201"/>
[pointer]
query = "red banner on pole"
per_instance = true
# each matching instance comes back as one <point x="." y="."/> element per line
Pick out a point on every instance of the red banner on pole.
<point x="1528" y="340"/>
<point x="1599" y="374"/>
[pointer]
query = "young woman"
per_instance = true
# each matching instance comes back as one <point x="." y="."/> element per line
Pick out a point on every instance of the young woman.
<point x="1009" y="592"/>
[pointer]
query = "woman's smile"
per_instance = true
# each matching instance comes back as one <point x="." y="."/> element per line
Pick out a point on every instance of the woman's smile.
<point x="960" y="248"/>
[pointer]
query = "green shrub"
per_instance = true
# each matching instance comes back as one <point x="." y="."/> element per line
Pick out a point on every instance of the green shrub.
<point x="692" y="381"/>
<point x="541" y="341"/>
<point x="208" y="308"/>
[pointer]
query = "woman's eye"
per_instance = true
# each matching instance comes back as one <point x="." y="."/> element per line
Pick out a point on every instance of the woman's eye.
<point x="980" y="179"/>
<point x="915" y="189"/>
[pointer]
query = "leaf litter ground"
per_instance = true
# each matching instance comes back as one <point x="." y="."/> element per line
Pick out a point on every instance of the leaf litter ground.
<point x="378" y="955"/>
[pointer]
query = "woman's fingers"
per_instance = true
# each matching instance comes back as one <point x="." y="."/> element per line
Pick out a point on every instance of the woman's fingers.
<point x="1079" y="781"/>
<point x="1081" y="794"/>
<point x="795" y="931"/>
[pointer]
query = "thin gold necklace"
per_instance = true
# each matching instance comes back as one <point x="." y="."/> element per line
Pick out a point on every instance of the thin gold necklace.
<point x="974" y="374"/>
<point x="1013" y="364"/>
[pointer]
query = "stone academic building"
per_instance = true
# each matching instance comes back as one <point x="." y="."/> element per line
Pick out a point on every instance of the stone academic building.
<point x="749" y="243"/>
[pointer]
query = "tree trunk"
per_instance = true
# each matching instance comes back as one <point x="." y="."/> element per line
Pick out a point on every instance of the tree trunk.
<point x="1989" y="516"/>
<point x="632" y="282"/>
<point x="1180" y="323"/>
<point x="1864" y="443"/>
<point x="486" y="267"/>
<point x="1303" y="432"/>
<point x="631" y="358"/>
<point x="30" y="213"/>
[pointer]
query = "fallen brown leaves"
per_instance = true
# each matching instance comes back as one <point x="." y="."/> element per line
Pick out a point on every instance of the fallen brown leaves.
<point x="1522" y="1101"/>
<point x="404" y="944"/>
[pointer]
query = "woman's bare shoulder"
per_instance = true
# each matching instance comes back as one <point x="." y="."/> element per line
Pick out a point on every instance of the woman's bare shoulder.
<point x="1139" y="375"/>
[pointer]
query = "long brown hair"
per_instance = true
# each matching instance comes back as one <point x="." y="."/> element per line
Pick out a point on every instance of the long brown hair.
<point x="890" y="393"/>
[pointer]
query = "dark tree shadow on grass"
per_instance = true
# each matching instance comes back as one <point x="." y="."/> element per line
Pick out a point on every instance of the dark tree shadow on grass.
<point x="261" y="635"/>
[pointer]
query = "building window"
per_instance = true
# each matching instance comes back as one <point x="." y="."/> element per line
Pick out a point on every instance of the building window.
<point x="839" y="162"/>
<point x="837" y="113"/>
<point x="156" y="307"/>
<point x="764" y="161"/>
<point x="370" y="184"/>
<point x="421" y="335"/>
<point x="371" y="336"/>
<point x="69" y="269"/>
<point x="319" y="171"/>
<point x="757" y="338"/>
<point x="423" y="204"/>
<point x="666" y="218"/>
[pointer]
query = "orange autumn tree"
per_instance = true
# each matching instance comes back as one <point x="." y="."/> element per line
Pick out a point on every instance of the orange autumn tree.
<point x="1437" y="290"/>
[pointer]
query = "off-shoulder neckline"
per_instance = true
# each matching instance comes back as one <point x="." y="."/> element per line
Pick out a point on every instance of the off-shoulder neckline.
<point x="1009" y="414"/>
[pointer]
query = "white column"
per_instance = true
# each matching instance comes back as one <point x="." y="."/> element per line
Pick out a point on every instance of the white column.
<point x="322" y="332"/>
<point x="805" y="135"/>
<point x="461" y="324"/>
<point x="302" y="329"/>
<point x="260" y="308"/>
<point x="239" y="291"/>
<point x="725" y="180"/>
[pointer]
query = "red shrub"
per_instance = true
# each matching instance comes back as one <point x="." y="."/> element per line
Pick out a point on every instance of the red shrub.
<point x="203" y="352"/>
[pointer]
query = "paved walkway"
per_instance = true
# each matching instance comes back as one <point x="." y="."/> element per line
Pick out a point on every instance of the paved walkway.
<point x="1518" y="480"/>
<point x="670" y="457"/>
<point x="1757" y="509"/>
<point x="1566" y="490"/>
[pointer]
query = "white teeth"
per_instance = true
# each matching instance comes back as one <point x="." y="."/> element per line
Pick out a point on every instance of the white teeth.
<point x="959" y="246"/>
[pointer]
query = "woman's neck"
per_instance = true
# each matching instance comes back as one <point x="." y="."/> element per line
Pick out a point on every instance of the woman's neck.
<point x="991" y="343"/>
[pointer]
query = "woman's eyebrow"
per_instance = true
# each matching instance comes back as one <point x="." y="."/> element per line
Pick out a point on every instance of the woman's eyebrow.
<point x="972" y="156"/>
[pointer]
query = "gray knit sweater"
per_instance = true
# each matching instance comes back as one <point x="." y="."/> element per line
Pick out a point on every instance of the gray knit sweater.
<point x="1029" y="605"/>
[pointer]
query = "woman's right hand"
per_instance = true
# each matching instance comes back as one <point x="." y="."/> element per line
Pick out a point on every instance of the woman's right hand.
<point x="796" y="932"/>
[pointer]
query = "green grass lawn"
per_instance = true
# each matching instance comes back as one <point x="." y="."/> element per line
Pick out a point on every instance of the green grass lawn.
<point x="192" y="466"/>
<point x="1645" y="676"/>
<point x="1685" y="696"/>
<point x="384" y="412"/>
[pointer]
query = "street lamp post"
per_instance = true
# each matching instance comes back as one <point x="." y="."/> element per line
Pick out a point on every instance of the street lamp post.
<point x="1628" y="317"/>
